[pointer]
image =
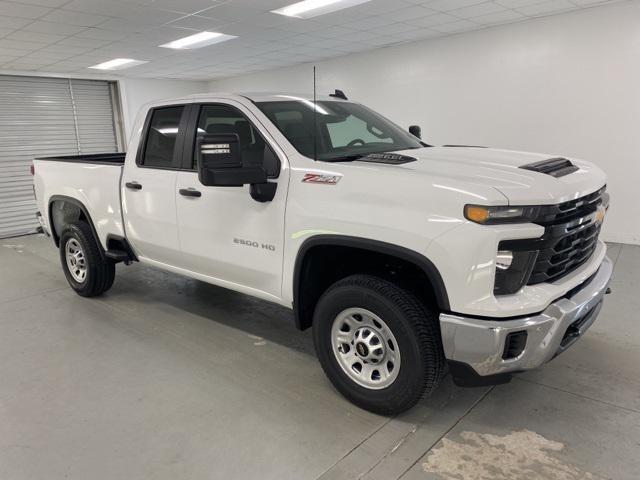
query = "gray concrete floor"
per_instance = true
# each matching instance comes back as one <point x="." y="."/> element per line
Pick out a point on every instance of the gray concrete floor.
<point x="169" y="378"/>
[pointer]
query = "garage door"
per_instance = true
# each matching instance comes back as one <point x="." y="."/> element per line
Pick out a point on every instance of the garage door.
<point x="46" y="116"/>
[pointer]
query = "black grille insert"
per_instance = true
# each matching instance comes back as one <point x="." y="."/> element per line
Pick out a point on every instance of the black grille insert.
<point x="570" y="238"/>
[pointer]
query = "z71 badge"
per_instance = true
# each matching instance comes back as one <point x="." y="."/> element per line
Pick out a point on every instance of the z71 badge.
<point x="321" y="178"/>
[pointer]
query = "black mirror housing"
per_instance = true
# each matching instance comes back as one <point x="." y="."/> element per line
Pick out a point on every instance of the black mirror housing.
<point x="220" y="162"/>
<point x="416" y="131"/>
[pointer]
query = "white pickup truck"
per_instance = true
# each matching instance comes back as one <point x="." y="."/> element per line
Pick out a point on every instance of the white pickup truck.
<point x="408" y="260"/>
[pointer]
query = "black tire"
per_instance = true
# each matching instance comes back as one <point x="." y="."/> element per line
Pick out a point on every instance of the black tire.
<point x="415" y="327"/>
<point x="100" y="272"/>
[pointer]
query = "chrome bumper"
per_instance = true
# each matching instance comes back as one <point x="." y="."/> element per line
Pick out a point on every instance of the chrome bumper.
<point x="480" y="344"/>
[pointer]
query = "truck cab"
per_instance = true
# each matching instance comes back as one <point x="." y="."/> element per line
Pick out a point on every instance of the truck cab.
<point x="407" y="260"/>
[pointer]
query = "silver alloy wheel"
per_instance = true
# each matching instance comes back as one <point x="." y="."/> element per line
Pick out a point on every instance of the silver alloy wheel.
<point x="76" y="261"/>
<point x="365" y="348"/>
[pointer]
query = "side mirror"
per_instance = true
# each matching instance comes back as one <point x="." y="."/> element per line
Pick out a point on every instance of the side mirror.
<point x="415" y="131"/>
<point x="220" y="162"/>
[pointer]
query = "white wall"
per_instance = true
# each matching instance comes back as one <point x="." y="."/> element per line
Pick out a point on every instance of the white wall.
<point x="567" y="84"/>
<point x="135" y="92"/>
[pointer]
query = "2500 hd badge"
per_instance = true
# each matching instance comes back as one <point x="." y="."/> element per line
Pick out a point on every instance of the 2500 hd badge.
<point x="251" y="243"/>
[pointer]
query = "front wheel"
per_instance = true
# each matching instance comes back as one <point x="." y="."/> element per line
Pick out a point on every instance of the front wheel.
<point x="87" y="271"/>
<point x="378" y="344"/>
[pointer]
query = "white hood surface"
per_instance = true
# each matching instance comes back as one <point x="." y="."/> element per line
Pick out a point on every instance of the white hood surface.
<point x="501" y="170"/>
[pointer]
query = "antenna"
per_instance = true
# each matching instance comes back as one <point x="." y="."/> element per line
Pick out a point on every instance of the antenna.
<point x="315" y="118"/>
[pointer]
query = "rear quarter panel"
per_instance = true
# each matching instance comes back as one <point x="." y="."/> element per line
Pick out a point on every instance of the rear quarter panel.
<point x="95" y="186"/>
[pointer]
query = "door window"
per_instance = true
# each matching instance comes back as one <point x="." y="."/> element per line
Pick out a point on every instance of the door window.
<point x="162" y="134"/>
<point x="216" y="119"/>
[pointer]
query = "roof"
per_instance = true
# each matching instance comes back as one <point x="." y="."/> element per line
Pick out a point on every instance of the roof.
<point x="266" y="96"/>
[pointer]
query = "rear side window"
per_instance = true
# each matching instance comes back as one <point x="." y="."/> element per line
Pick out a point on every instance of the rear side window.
<point x="160" y="146"/>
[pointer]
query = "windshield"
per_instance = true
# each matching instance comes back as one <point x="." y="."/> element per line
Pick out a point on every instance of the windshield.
<point x="345" y="131"/>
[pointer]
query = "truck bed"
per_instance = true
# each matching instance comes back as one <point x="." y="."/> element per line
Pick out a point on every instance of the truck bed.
<point x="98" y="158"/>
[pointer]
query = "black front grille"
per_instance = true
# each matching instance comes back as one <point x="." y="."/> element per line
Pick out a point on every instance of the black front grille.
<point x="567" y="254"/>
<point x="570" y="238"/>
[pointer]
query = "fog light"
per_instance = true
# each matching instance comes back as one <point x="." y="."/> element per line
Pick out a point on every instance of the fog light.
<point x="504" y="259"/>
<point x="514" y="345"/>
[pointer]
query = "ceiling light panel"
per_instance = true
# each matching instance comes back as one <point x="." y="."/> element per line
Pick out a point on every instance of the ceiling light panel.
<point x="118" y="64"/>
<point x="313" y="8"/>
<point x="198" y="40"/>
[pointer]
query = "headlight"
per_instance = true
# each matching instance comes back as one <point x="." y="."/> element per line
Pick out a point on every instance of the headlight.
<point x="503" y="214"/>
<point x="513" y="270"/>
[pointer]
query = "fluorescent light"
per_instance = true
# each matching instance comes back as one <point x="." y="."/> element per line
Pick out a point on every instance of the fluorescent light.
<point x="118" y="64"/>
<point x="313" y="8"/>
<point x="198" y="40"/>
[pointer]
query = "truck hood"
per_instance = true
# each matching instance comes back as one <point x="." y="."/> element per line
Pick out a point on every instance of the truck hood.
<point x="501" y="170"/>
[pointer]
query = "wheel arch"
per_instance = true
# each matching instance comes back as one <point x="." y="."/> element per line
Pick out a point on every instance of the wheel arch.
<point x="303" y="305"/>
<point x="71" y="209"/>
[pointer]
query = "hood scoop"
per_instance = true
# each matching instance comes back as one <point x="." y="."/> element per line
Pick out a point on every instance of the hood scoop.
<point x="556" y="167"/>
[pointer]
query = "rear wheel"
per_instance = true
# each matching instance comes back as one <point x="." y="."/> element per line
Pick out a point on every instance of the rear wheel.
<point x="87" y="271"/>
<point x="378" y="344"/>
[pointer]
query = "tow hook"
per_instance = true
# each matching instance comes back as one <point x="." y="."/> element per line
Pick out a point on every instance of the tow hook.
<point x="608" y="291"/>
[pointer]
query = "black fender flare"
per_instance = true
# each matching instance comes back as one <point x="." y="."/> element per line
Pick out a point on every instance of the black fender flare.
<point x="77" y="203"/>
<point x="411" y="256"/>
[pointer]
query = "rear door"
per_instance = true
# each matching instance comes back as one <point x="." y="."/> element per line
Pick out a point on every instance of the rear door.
<point x="149" y="186"/>
<point x="224" y="233"/>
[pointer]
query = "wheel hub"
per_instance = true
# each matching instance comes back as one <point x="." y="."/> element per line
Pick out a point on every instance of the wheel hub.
<point x="369" y="345"/>
<point x="365" y="348"/>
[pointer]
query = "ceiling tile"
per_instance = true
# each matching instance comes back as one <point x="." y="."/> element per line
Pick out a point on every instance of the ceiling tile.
<point x="20" y="10"/>
<point x="45" y="3"/>
<point x="64" y="49"/>
<point x="196" y="22"/>
<point x="21" y="67"/>
<point x="6" y="58"/>
<point x="498" y="17"/>
<point x="412" y="12"/>
<point x="15" y="52"/>
<point x="84" y="42"/>
<point x="588" y="3"/>
<point x="370" y="23"/>
<point x="431" y="20"/>
<point x="545" y="8"/>
<point x="52" y="27"/>
<point x="21" y="45"/>
<point x="12" y="22"/>
<point x="446" y="5"/>
<point x="183" y="6"/>
<point x="70" y="17"/>
<point x="395" y="28"/>
<point x="477" y="10"/>
<point x="454" y="27"/>
<point x="100" y="34"/>
<point x="34" y="37"/>
<point x="517" y="3"/>
<point x="228" y="12"/>
<point x="124" y="26"/>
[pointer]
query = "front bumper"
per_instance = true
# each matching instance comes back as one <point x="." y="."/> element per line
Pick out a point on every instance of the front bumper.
<point x="476" y="347"/>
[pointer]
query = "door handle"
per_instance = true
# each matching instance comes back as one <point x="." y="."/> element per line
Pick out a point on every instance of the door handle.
<point x="133" y="185"/>
<point x="189" y="192"/>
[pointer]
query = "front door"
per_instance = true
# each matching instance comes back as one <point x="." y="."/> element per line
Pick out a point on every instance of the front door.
<point x="149" y="187"/>
<point x="225" y="234"/>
